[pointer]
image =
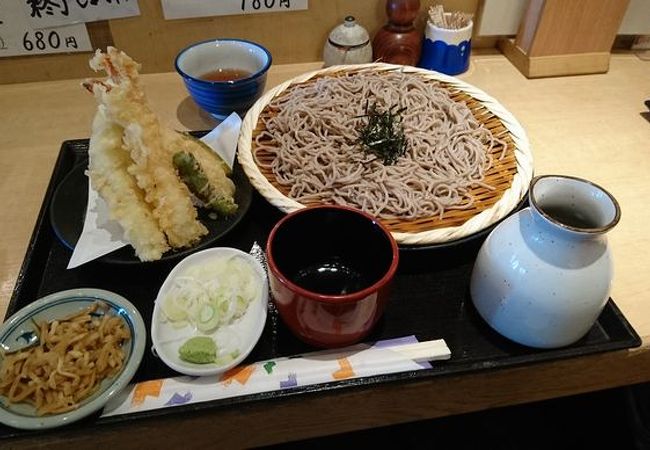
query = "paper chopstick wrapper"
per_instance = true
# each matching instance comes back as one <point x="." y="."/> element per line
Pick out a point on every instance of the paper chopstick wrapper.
<point x="362" y="360"/>
<point x="101" y="235"/>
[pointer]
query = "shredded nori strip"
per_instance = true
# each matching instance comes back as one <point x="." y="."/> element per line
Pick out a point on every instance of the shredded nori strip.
<point x="383" y="133"/>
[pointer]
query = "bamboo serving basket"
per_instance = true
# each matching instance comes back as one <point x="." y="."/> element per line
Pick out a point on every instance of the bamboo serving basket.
<point x="510" y="175"/>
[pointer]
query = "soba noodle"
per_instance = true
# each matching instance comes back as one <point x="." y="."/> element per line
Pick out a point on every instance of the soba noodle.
<point x="312" y="130"/>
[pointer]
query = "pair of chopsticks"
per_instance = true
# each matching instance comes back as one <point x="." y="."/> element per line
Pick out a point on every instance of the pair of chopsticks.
<point x="453" y="21"/>
<point x="424" y="351"/>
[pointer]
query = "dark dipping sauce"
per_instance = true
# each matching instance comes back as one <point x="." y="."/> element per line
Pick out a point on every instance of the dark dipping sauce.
<point x="331" y="277"/>
<point x="226" y="75"/>
<point x="331" y="251"/>
<point x="571" y="217"/>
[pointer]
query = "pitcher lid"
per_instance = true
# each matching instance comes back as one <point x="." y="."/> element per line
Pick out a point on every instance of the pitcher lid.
<point x="349" y="34"/>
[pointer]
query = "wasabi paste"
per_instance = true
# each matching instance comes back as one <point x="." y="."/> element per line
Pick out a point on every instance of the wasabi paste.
<point x="199" y="350"/>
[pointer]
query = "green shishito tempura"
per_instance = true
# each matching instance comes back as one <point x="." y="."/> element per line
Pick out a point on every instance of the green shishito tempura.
<point x="196" y="180"/>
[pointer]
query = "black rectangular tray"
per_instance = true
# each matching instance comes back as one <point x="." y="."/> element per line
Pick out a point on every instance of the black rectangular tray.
<point x="430" y="300"/>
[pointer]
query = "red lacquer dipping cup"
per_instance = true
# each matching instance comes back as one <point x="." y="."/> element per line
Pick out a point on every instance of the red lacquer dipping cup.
<point x="331" y="268"/>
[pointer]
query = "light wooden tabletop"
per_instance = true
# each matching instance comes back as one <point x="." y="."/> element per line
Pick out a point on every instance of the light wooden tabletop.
<point x="589" y="126"/>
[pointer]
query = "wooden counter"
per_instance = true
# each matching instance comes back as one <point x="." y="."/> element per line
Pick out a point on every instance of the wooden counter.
<point x="589" y="126"/>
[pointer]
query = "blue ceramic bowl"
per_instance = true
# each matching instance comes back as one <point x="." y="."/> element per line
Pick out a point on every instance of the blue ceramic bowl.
<point x="221" y="98"/>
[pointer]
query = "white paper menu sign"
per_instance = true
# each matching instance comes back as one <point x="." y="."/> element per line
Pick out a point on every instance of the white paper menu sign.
<point x="53" y="13"/>
<point x="181" y="9"/>
<point x="19" y="37"/>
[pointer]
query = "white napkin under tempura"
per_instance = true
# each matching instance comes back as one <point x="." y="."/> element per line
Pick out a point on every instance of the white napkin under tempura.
<point x="101" y="235"/>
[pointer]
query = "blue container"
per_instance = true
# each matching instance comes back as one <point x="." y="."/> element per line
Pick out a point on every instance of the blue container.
<point x="221" y="98"/>
<point x="446" y="50"/>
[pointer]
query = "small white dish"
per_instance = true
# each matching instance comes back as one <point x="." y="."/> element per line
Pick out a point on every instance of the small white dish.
<point x="56" y="306"/>
<point x="245" y="331"/>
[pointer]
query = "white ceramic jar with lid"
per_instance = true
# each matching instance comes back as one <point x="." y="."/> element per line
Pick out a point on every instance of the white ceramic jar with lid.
<point x="348" y="43"/>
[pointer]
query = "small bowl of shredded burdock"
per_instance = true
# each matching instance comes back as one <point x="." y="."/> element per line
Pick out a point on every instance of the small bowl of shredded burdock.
<point x="66" y="355"/>
<point x="224" y="75"/>
<point x="210" y="311"/>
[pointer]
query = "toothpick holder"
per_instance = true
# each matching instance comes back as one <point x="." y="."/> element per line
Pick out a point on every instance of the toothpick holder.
<point x="446" y="50"/>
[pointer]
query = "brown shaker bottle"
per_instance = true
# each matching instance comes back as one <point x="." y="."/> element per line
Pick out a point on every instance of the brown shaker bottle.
<point x="398" y="42"/>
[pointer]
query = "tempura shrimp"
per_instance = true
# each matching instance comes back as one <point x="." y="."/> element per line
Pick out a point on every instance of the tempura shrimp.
<point x="125" y="105"/>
